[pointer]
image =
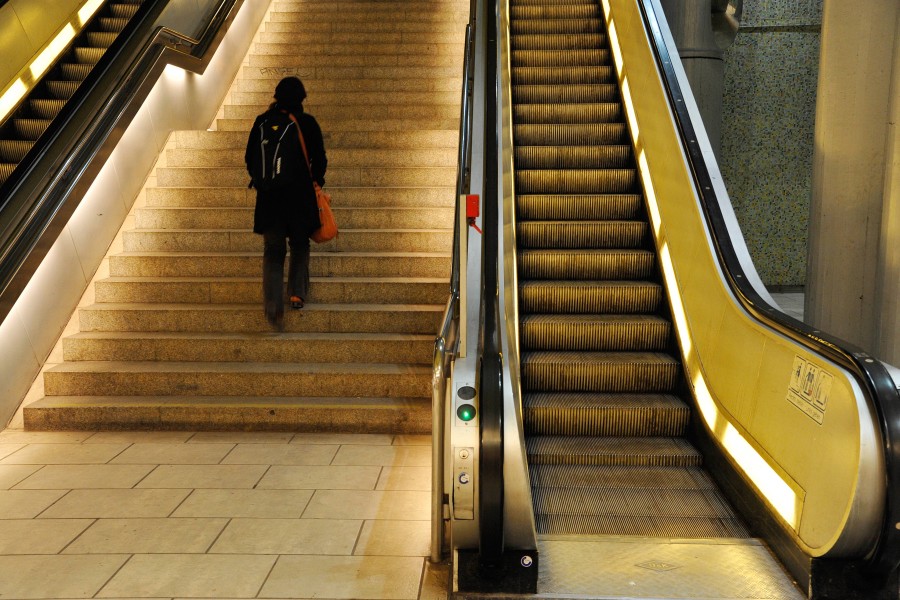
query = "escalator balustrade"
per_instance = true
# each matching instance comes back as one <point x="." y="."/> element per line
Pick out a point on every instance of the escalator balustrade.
<point x="20" y="132"/>
<point x="605" y="427"/>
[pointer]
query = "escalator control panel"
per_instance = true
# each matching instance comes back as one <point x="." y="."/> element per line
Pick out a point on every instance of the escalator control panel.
<point x="463" y="483"/>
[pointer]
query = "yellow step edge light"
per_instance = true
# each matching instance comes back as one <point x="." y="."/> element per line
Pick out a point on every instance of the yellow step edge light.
<point x="32" y="72"/>
<point x="777" y="491"/>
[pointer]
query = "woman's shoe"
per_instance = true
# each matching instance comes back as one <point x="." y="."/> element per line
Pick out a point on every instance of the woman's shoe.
<point x="296" y="302"/>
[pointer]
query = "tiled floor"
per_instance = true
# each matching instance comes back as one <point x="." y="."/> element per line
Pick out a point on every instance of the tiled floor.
<point x="215" y="515"/>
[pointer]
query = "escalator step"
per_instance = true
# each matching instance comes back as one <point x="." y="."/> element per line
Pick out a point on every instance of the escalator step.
<point x="45" y="108"/>
<point x="101" y="39"/>
<point x="598" y="112"/>
<point x="570" y="94"/>
<point x="584" y="297"/>
<point x="581" y="234"/>
<point x="562" y="75"/>
<point x="13" y="151"/>
<point x="605" y="414"/>
<point x="112" y="24"/>
<point x="594" y="332"/>
<point x="576" y="181"/>
<point x="558" y="41"/>
<point x="627" y="451"/>
<point x="562" y="207"/>
<point x="573" y="157"/>
<point x="75" y="71"/>
<point x="89" y="55"/>
<point x="6" y="170"/>
<point x="638" y="503"/>
<point x="586" y="264"/>
<point x="550" y="2"/>
<point x="614" y="476"/>
<point x="583" y="371"/>
<point x="571" y="135"/>
<point x="30" y="129"/>
<point x="62" y="89"/>
<point x="670" y="527"/>
<point x="555" y="26"/>
<point x="554" y="11"/>
<point x="123" y="11"/>
<point x="560" y="58"/>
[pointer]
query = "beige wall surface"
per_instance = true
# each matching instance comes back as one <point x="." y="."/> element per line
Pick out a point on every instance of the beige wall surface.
<point x="25" y="26"/>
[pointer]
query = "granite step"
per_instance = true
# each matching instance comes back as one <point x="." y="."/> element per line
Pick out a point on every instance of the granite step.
<point x="195" y="197"/>
<point x="249" y="319"/>
<point x="249" y="264"/>
<point x="244" y="240"/>
<point x="452" y="35"/>
<point x="367" y="24"/>
<point x="354" y="46"/>
<point x="334" y="141"/>
<point x="264" y="79"/>
<point x="355" y="111"/>
<point x="266" y="347"/>
<point x="248" y="290"/>
<point x="338" y="176"/>
<point x="396" y="123"/>
<point x="350" y="218"/>
<point x="230" y="413"/>
<point x="360" y="158"/>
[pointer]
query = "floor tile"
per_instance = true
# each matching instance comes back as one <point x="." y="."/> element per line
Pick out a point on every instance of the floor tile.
<point x="288" y="536"/>
<point x="173" y="454"/>
<point x="238" y="437"/>
<point x="7" y="449"/>
<point x="358" y="504"/>
<point x="404" y="478"/>
<point x="10" y="475"/>
<point x="190" y="575"/>
<point x="412" y="440"/>
<point x="73" y="576"/>
<point x="204" y="476"/>
<point x="281" y="454"/>
<point x="318" y="477"/>
<point x="26" y="504"/>
<point x="396" y="456"/>
<point x="395" y="538"/>
<point x="339" y="577"/>
<point x="368" y="439"/>
<point x="39" y="536"/>
<point x="64" y="454"/>
<point x="85" y="477"/>
<point x="13" y="436"/>
<point x="268" y="504"/>
<point x="148" y="536"/>
<point x="116" y="504"/>
<point x="138" y="437"/>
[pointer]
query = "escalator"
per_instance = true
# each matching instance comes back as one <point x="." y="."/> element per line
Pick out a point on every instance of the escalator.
<point x="21" y="130"/>
<point x="605" y="428"/>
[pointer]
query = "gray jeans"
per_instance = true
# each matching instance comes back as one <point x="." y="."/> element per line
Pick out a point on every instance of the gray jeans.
<point x="274" y="252"/>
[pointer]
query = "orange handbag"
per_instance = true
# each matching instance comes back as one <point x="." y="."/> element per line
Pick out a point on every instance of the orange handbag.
<point x="329" y="229"/>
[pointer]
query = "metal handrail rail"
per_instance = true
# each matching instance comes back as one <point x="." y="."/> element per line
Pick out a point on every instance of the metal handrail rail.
<point x="872" y="375"/>
<point x="43" y="192"/>
<point x="445" y="345"/>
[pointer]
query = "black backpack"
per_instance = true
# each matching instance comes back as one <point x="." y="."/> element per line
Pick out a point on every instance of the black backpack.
<point x="277" y="162"/>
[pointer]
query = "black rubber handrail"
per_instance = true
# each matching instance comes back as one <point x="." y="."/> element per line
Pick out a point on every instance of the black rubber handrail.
<point x="43" y="192"/>
<point x="490" y="498"/>
<point x="869" y="372"/>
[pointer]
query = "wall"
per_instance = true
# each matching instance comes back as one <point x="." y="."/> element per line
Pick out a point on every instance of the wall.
<point x="771" y="74"/>
<point x="25" y="26"/>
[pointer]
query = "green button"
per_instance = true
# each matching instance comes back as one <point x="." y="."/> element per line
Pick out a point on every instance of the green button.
<point x="465" y="412"/>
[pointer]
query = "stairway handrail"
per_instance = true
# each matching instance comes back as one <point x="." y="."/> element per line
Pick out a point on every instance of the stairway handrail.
<point x="46" y="188"/>
<point x="873" y="376"/>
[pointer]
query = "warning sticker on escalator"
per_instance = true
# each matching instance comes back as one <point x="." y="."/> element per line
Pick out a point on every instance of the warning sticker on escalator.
<point x="809" y="389"/>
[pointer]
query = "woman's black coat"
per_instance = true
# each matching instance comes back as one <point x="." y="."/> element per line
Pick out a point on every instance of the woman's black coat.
<point x="293" y="211"/>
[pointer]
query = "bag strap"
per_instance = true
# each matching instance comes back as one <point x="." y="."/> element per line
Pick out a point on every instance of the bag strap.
<point x="303" y="145"/>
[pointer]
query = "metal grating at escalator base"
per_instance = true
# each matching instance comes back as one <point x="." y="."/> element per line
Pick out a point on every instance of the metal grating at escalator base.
<point x="659" y="527"/>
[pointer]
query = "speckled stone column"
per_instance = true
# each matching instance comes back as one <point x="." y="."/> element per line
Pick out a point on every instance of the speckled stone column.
<point x="850" y="162"/>
<point x="691" y="25"/>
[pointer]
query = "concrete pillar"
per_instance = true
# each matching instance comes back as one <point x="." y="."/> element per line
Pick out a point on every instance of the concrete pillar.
<point x="845" y="271"/>
<point x="691" y="23"/>
<point x="887" y="334"/>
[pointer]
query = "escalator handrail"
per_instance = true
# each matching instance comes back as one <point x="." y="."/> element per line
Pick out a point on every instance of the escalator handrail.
<point x="38" y="196"/>
<point x="490" y="497"/>
<point x="874" y="378"/>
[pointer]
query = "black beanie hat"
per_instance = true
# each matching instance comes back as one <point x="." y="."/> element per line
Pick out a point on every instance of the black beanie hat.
<point x="290" y="92"/>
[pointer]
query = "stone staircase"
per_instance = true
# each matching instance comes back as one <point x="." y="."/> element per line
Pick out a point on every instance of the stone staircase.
<point x="177" y="339"/>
